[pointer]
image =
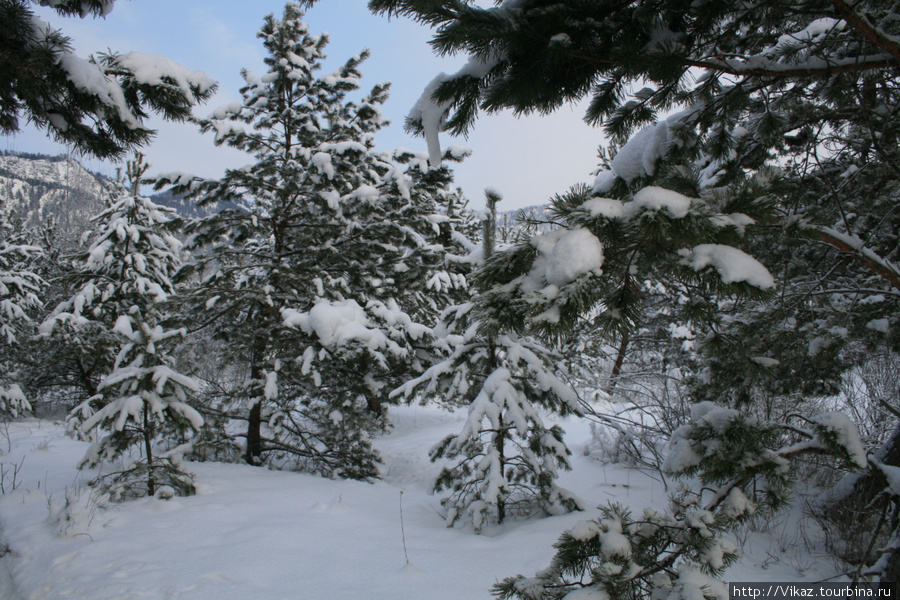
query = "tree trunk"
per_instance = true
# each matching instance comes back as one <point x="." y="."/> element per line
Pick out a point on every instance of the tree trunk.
<point x="373" y="405"/>
<point x="148" y="448"/>
<point x="254" y="419"/>
<point x="84" y="376"/>
<point x="499" y="442"/>
<point x="868" y="484"/>
<point x="617" y="366"/>
<point x="254" y="436"/>
<point x="500" y="438"/>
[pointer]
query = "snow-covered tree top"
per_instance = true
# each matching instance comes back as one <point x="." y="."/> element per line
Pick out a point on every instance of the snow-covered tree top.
<point x="130" y="261"/>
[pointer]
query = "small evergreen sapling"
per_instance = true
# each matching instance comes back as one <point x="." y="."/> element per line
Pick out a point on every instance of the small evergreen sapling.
<point x="505" y="460"/>
<point x="145" y="398"/>
<point x="122" y="280"/>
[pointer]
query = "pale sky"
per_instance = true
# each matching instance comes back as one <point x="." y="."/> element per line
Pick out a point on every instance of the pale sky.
<point x="528" y="160"/>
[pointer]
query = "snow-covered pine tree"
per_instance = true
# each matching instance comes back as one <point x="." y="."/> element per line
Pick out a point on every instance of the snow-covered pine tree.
<point x="99" y="104"/>
<point x="20" y="289"/>
<point x="321" y="258"/>
<point x="80" y="325"/>
<point x="505" y="460"/>
<point x="791" y="69"/>
<point x="124" y="276"/>
<point x="75" y="374"/>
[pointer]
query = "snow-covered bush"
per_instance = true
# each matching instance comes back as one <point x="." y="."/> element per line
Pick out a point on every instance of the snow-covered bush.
<point x="13" y="401"/>
<point x="75" y="514"/>
<point x="745" y="465"/>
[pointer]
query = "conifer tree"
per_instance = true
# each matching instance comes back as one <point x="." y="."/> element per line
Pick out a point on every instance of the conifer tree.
<point x="75" y="375"/>
<point x="20" y="287"/>
<point x="315" y="269"/>
<point x="143" y="399"/>
<point x="123" y="278"/>
<point x="505" y="460"/>
<point x="790" y="69"/>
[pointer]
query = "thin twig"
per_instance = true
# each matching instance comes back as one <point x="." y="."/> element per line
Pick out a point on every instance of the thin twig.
<point x="403" y="529"/>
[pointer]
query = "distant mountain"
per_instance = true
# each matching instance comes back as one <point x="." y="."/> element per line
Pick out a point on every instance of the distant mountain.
<point x="184" y="208"/>
<point x="512" y="223"/>
<point x="39" y="188"/>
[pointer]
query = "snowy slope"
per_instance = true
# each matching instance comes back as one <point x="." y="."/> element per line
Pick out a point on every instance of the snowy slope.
<point x="38" y="188"/>
<point x="253" y="533"/>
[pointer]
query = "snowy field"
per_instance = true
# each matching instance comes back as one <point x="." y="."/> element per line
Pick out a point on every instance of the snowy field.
<point x="251" y="533"/>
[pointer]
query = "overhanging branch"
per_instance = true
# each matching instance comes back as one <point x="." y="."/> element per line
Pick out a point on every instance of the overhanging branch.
<point x="862" y="24"/>
<point x="862" y="254"/>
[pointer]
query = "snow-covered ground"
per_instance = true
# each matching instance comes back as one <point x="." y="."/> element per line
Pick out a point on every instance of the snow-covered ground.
<point x="251" y="533"/>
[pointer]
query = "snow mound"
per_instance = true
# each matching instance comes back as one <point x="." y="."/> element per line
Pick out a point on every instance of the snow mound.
<point x="732" y="265"/>
<point x="650" y="198"/>
<point x="562" y="257"/>
<point x="846" y="434"/>
<point x="657" y="198"/>
<point x="336" y="323"/>
<point x="575" y="253"/>
<point x="638" y="157"/>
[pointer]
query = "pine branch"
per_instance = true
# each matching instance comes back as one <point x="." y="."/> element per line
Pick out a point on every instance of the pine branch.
<point x="861" y="23"/>
<point x="867" y="257"/>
